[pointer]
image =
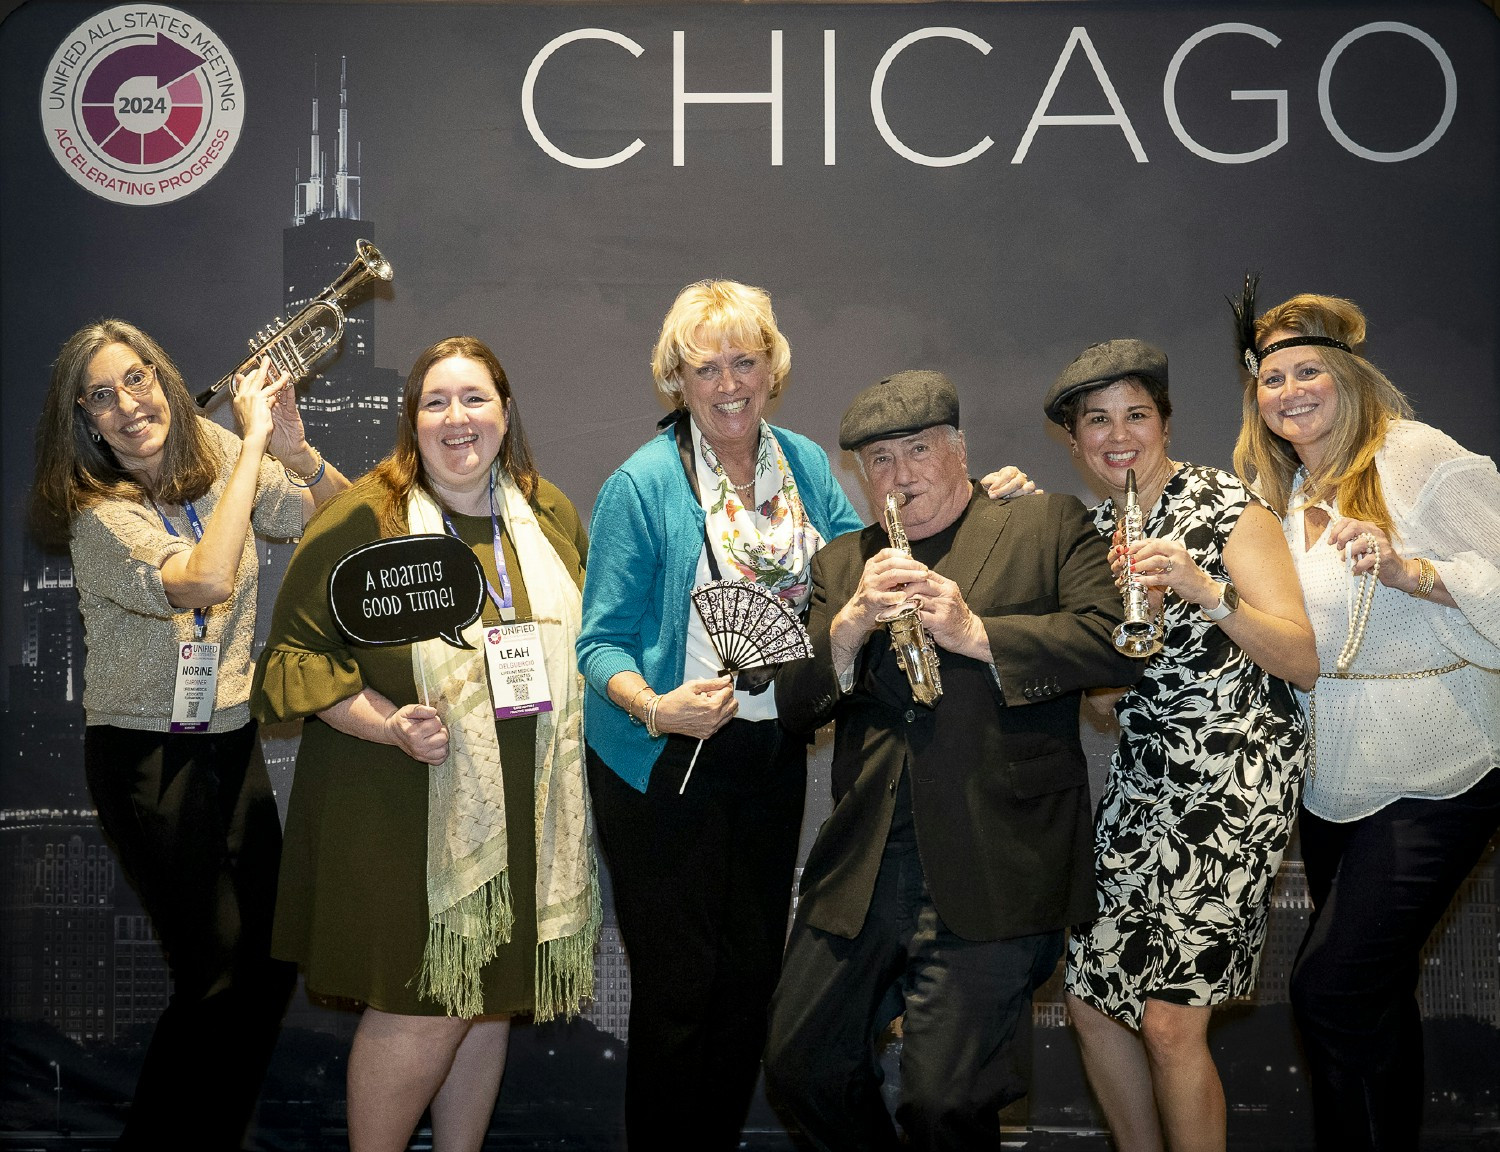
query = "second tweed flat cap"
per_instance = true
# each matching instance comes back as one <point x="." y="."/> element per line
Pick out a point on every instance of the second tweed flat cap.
<point x="1099" y="364"/>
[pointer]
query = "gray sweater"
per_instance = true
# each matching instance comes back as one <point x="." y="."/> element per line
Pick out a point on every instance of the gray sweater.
<point x="133" y="633"/>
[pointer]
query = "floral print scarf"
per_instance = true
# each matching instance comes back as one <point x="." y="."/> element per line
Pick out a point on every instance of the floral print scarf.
<point x="770" y="540"/>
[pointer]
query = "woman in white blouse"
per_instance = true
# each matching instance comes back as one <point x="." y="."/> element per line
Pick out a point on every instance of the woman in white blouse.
<point x="1395" y="530"/>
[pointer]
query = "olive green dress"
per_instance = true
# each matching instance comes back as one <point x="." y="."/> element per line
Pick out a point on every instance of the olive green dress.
<point x="352" y="904"/>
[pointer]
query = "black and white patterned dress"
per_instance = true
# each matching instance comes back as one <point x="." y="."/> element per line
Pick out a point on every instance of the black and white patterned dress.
<point x="1201" y="796"/>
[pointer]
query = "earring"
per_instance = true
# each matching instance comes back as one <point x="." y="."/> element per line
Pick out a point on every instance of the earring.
<point x="95" y="437"/>
<point x="1075" y="448"/>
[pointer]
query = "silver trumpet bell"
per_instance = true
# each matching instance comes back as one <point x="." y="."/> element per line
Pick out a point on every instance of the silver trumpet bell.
<point x="296" y="345"/>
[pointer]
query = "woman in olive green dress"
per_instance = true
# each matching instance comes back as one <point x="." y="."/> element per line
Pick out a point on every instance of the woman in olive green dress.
<point x="439" y="865"/>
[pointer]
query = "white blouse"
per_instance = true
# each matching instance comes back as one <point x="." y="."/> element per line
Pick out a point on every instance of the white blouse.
<point x="1384" y="733"/>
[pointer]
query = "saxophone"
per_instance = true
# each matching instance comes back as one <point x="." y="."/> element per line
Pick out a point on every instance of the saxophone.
<point x="1140" y="634"/>
<point x="914" y="649"/>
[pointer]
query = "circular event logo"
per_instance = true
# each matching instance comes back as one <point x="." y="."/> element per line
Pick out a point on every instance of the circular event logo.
<point x="142" y="104"/>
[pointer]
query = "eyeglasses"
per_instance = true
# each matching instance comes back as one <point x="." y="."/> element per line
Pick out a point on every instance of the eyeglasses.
<point x="102" y="398"/>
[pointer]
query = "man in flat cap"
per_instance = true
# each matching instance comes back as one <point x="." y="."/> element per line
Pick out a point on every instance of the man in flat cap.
<point x="960" y="843"/>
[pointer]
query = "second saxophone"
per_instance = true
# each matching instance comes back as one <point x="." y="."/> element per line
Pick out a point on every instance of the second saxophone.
<point x="914" y="649"/>
<point x="1140" y="634"/>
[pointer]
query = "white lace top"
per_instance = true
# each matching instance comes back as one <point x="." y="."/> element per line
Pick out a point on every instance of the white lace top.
<point x="1434" y="736"/>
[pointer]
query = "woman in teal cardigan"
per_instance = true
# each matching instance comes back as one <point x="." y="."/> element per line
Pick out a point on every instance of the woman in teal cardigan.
<point x="702" y="876"/>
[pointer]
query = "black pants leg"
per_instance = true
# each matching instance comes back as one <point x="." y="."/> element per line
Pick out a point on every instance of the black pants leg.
<point x="702" y="886"/>
<point x="965" y="1048"/>
<point x="835" y="998"/>
<point x="1378" y="886"/>
<point x="194" y="822"/>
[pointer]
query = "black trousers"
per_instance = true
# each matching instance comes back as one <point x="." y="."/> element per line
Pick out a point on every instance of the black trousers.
<point x="966" y="1039"/>
<point x="702" y="886"/>
<point x="194" y="823"/>
<point x="1378" y="887"/>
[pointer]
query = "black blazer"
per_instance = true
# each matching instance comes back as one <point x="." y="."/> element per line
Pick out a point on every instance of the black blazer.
<point x="999" y="781"/>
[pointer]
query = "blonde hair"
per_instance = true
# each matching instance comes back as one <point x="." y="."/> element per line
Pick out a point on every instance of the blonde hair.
<point x="705" y="317"/>
<point x="1367" y="404"/>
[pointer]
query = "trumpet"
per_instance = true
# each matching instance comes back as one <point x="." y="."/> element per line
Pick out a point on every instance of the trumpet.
<point x="1140" y="634"/>
<point x="915" y="652"/>
<point x="296" y="345"/>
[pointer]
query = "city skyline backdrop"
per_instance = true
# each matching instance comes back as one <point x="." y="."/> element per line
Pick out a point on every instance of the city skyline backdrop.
<point x="78" y="955"/>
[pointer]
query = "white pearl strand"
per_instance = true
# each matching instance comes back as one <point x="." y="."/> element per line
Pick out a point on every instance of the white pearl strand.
<point x="1360" y="603"/>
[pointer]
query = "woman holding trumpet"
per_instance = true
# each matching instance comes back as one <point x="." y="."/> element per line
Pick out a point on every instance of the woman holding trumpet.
<point x="1203" y="787"/>
<point x="160" y="508"/>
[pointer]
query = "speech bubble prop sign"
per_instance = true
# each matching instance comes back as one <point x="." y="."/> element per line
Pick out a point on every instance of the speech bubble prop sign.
<point x="408" y="589"/>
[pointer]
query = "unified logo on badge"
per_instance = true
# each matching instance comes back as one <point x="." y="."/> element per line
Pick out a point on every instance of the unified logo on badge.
<point x="142" y="104"/>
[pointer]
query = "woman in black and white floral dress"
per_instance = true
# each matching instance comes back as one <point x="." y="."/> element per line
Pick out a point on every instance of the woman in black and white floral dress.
<point x="1203" y="788"/>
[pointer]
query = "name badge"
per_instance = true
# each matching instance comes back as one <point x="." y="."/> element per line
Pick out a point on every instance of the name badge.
<point x="197" y="682"/>
<point x="518" y="677"/>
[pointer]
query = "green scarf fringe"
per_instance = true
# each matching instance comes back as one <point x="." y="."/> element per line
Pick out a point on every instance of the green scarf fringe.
<point x="565" y="967"/>
<point x="453" y="958"/>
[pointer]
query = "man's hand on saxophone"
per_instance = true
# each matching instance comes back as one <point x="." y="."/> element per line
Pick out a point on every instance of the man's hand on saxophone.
<point x="948" y="619"/>
<point x="884" y="586"/>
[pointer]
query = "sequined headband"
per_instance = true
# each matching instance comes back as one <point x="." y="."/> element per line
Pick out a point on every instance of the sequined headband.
<point x="1244" y="328"/>
<point x="1254" y="356"/>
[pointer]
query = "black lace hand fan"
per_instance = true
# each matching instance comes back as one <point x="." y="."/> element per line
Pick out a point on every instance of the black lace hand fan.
<point x="749" y="625"/>
<point x="750" y="628"/>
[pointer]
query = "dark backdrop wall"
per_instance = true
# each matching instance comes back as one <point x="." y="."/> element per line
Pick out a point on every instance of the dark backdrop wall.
<point x="983" y="189"/>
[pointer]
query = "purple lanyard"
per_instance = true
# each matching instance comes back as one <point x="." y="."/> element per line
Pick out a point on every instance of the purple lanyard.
<point x="502" y="598"/>
<point x="200" y="618"/>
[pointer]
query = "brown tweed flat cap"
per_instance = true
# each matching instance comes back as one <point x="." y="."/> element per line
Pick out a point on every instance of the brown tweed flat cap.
<point x="898" y="406"/>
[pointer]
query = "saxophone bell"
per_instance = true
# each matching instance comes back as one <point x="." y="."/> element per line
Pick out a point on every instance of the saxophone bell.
<point x="1140" y="633"/>
<point x="915" y="652"/>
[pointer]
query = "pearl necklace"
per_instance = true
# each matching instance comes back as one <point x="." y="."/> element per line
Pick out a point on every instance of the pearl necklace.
<point x="1360" y="605"/>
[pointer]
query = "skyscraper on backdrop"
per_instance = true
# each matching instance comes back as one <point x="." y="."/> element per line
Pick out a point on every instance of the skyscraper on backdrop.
<point x="350" y="405"/>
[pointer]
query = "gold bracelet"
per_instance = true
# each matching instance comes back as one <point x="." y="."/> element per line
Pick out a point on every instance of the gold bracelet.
<point x="1428" y="579"/>
<point x="651" y="729"/>
<point x="312" y="478"/>
<point x="630" y="708"/>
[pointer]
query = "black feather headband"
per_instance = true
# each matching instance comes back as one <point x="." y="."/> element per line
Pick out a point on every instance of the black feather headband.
<point x="1244" y="330"/>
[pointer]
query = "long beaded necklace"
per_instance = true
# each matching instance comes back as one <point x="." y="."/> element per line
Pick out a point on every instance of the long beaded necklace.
<point x="1360" y="604"/>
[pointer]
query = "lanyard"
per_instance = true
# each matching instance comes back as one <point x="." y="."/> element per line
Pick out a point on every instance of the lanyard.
<point x="200" y="619"/>
<point x="502" y="599"/>
<point x="684" y="437"/>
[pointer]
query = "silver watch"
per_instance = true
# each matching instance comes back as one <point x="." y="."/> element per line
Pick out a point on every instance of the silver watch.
<point x="1228" y="602"/>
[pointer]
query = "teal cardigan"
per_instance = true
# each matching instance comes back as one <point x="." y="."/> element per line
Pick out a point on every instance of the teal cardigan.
<point x="645" y="537"/>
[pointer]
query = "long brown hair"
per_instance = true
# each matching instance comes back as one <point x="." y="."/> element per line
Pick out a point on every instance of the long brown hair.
<point x="1367" y="404"/>
<point x="75" y="471"/>
<point x="402" y="469"/>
